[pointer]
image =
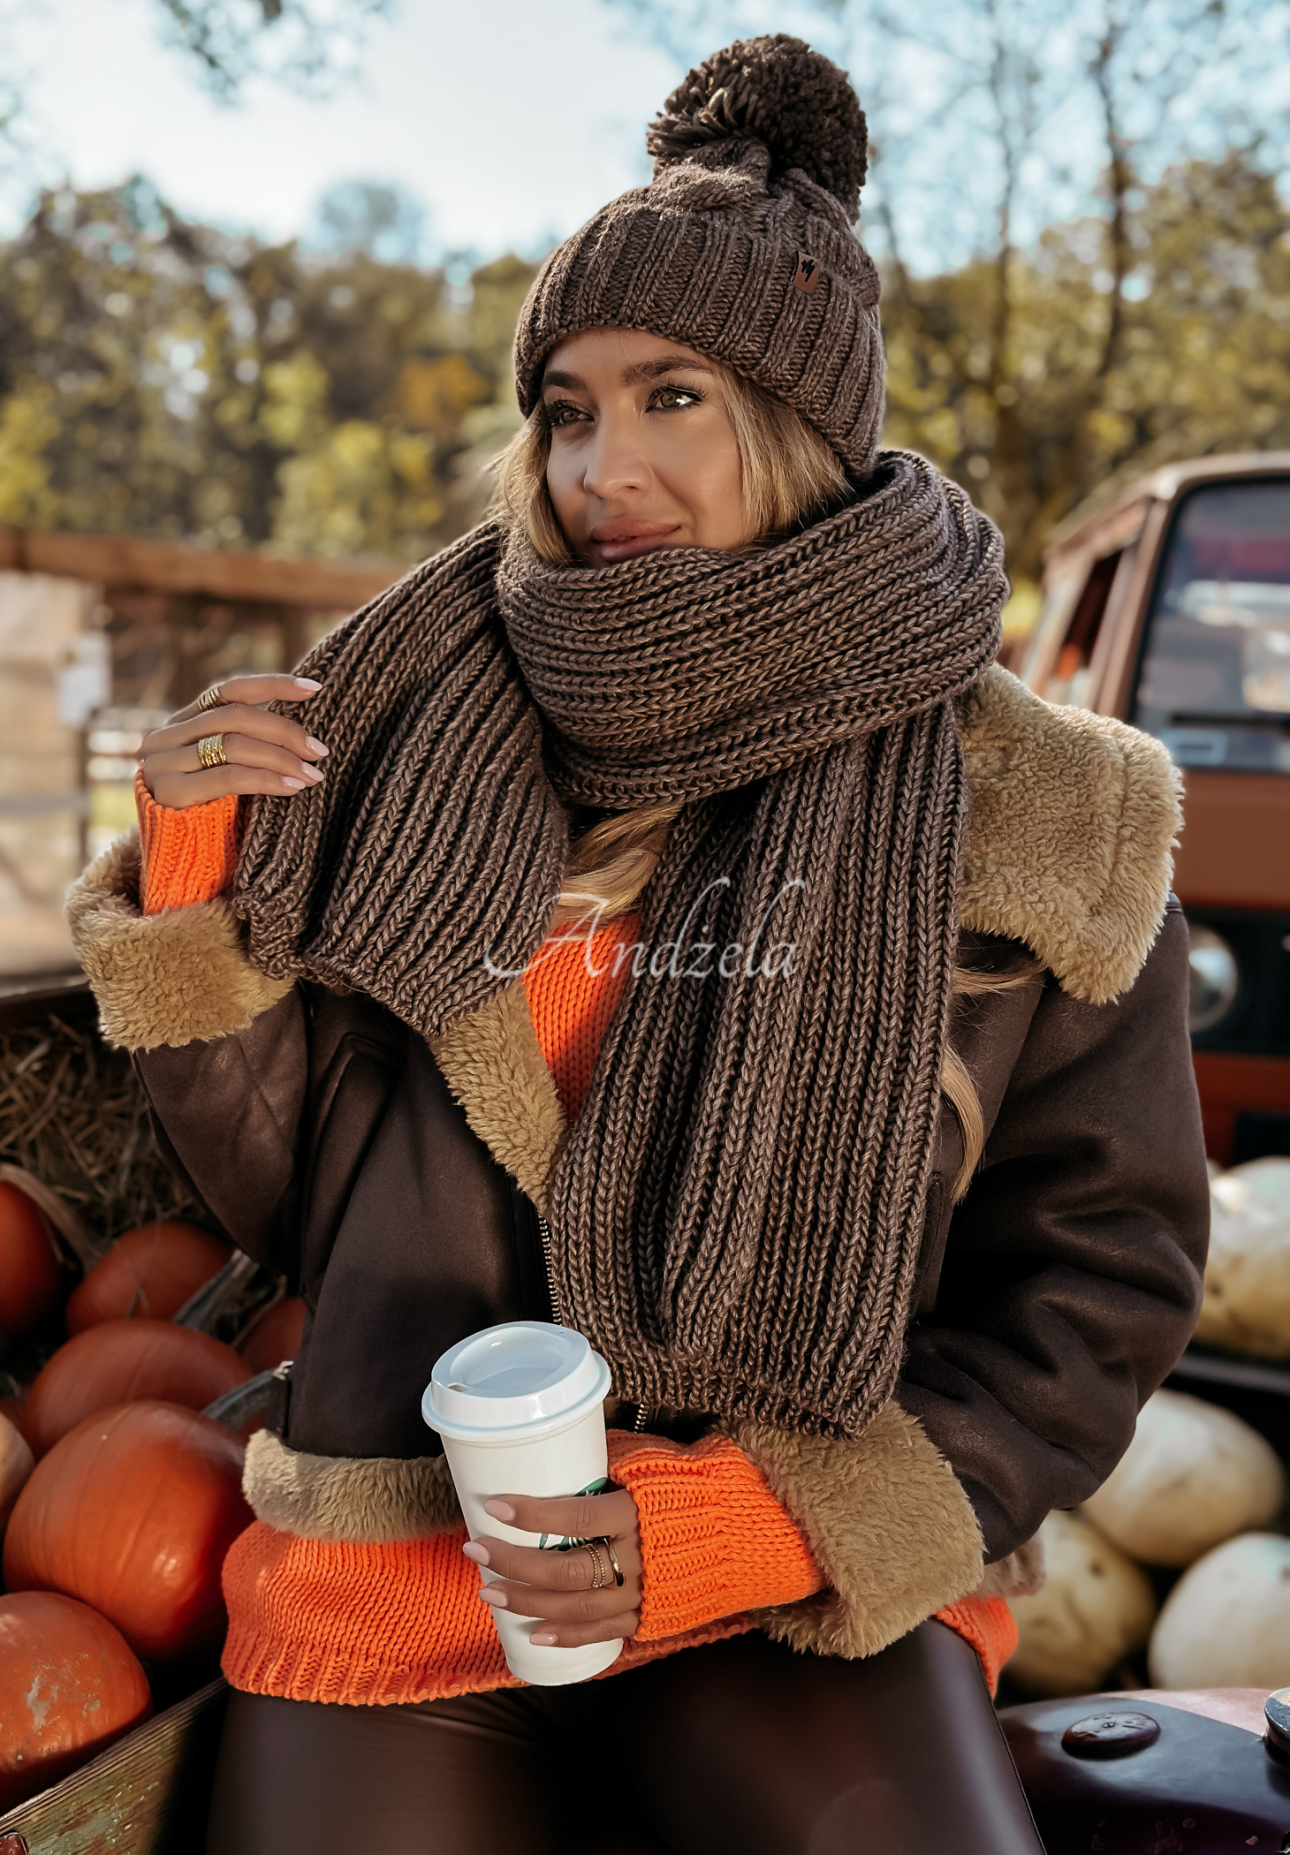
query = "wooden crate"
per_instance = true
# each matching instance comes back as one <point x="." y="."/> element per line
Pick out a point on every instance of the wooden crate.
<point x="146" y="1795"/>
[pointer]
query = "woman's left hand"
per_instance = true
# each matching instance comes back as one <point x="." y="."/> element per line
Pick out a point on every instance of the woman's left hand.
<point x="555" y="1586"/>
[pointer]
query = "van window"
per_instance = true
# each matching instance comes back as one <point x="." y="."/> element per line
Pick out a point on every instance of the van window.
<point x="1214" y="685"/>
<point x="1071" y="677"/>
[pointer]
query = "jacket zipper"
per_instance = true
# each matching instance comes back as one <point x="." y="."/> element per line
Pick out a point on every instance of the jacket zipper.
<point x="553" y="1293"/>
<point x="553" y="1296"/>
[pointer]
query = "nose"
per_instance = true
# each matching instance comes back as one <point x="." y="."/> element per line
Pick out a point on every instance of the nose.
<point x="615" y="462"/>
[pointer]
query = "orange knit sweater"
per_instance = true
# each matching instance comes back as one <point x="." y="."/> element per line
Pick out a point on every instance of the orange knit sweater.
<point x="392" y="1623"/>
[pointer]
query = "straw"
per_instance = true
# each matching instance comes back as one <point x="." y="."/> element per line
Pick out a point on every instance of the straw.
<point x="73" y="1114"/>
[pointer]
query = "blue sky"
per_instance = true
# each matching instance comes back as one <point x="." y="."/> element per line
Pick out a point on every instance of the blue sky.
<point x="513" y="121"/>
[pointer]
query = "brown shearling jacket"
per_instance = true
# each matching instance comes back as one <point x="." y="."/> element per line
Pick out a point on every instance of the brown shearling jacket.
<point x="399" y="1184"/>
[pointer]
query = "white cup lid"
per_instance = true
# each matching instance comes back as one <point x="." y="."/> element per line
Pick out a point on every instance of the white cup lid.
<point x="522" y="1372"/>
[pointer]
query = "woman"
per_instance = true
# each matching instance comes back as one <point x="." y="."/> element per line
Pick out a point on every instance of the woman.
<point x="686" y="933"/>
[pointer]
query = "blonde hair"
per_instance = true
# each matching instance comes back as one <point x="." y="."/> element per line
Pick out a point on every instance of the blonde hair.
<point x="790" y="476"/>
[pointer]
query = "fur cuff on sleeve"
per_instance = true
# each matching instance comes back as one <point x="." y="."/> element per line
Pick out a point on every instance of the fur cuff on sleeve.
<point x="365" y="1501"/>
<point x="889" y="1526"/>
<point x="173" y="978"/>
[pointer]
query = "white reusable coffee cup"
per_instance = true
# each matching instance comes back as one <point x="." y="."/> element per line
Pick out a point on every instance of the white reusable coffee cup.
<point x="520" y="1408"/>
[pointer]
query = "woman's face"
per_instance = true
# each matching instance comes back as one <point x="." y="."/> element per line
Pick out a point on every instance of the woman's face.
<point x="643" y="453"/>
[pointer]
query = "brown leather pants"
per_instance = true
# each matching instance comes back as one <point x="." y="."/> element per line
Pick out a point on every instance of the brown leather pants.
<point x="736" y="1748"/>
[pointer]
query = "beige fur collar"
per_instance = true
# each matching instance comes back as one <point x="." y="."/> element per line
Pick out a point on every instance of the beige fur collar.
<point x="495" y="1070"/>
<point x="1072" y="818"/>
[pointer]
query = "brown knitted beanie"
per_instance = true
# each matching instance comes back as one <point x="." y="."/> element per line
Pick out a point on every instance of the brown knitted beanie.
<point x="741" y="247"/>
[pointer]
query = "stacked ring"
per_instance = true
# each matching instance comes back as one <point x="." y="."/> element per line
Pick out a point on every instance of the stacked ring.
<point x="210" y="751"/>
<point x="600" y="1572"/>
<point x="212" y="698"/>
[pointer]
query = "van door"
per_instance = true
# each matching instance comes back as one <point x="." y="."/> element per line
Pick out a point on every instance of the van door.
<point x="1213" y="684"/>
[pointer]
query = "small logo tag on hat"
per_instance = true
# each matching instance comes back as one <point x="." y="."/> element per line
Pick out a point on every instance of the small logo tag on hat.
<point x="807" y="274"/>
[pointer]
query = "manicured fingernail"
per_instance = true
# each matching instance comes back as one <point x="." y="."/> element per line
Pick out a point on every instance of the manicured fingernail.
<point x="315" y="747"/>
<point x="546" y="1637"/>
<point x="500" y="1510"/>
<point x="295" y="784"/>
<point x="305" y="682"/>
<point x="491" y="1595"/>
<point x="478" y="1553"/>
<point x="311" y="773"/>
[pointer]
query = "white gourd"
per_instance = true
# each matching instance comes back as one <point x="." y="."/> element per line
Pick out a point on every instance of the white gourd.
<point x="1096" y="1608"/>
<point x="16" y="1464"/>
<point x="1247" y="1277"/>
<point x="1226" y="1623"/>
<point x="1193" y="1476"/>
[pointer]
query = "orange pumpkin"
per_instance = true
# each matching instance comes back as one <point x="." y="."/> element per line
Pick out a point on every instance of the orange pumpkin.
<point x="120" y="1361"/>
<point x="276" y="1335"/>
<point x="29" y="1274"/>
<point x="69" y="1686"/>
<point x="16" y="1464"/>
<point x="149" y="1272"/>
<point x="133" y="1512"/>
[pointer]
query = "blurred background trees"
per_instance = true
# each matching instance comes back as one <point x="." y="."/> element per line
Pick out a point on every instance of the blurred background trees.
<point x="309" y="44"/>
<point x="1076" y="211"/>
<point x="166" y="379"/>
<point x="334" y="395"/>
<point x="1198" y="363"/>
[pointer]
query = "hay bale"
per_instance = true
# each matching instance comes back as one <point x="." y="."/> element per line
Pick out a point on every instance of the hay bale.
<point x="73" y="1113"/>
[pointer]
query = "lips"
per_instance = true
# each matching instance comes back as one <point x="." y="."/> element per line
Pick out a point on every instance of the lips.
<point x="625" y="538"/>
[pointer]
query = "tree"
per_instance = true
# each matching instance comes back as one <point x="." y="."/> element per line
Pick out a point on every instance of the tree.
<point x="1200" y="361"/>
<point x="161" y="378"/>
<point x="304" y="43"/>
<point x="310" y="46"/>
<point x="989" y="120"/>
<point x="380" y="219"/>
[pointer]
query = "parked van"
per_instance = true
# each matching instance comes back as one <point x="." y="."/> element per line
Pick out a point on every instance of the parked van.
<point x="1171" y="609"/>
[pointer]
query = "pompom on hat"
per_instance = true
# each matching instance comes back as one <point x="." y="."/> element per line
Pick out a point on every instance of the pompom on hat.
<point x="741" y="246"/>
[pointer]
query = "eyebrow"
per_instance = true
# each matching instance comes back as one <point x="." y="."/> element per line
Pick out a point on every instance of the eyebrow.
<point x="632" y="376"/>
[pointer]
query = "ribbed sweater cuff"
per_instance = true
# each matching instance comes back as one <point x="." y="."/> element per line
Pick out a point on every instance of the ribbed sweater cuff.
<point x="989" y="1626"/>
<point x="714" y="1540"/>
<point x="189" y="855"/>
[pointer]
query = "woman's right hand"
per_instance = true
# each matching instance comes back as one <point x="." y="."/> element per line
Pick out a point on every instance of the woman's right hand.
<point x="264" y="752"/>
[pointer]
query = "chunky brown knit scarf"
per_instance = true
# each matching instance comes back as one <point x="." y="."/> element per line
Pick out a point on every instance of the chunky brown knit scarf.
<point x="737" y="1212"/>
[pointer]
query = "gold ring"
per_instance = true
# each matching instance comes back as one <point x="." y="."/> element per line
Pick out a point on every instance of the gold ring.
<point x="210" y="750"/>
<point x="212" y="698"/>
<point x="613" y="1560"/>
<point x="600" y="1575"/>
